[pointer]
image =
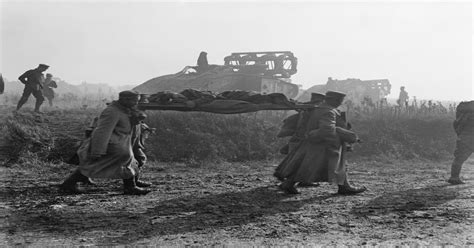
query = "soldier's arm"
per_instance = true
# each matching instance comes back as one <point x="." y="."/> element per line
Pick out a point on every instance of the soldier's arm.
<point x="24" y="76"/>
<point x="101" y="135"/>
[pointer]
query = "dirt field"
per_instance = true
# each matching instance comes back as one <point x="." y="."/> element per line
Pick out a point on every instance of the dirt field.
<point x="231" y="204"/>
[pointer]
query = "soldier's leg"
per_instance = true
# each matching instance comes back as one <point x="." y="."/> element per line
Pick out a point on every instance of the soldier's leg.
<point x="50" y="101"/>
<point x="24" y="97"/>
<point x="141" y="158"/>
<point x="38" y="94"/>
<point x="130" y="187"/>
<point x="344" y="187"/>
<point x="461" y="154"/>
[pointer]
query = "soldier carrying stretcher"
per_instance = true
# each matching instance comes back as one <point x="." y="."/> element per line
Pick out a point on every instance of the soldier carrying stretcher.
<point x="320" y="156"/>
<point x="109" y="152"/>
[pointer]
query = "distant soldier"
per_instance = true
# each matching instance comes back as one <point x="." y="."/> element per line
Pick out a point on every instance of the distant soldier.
<point x="48" y="86"/>
<point x="108" y="153"/>
<point x="33" y="80"/>
<point x="202" y="64"/>
<point x="464" y="127"/>
<point x="403" y="98"/>
<point x="202" y="60"/>
<point x="2" y="84"/>
<point x="414" y="103"/>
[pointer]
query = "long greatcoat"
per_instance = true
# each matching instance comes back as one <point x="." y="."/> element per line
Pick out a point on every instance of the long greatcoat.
<point x="111" y="139"/>
<point x="319" y="157"/>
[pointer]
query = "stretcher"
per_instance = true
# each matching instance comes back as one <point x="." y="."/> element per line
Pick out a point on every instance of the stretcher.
<point x="223" y="106"/>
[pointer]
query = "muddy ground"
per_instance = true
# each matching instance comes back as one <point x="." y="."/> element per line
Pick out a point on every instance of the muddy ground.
<point x="408" y="203"/>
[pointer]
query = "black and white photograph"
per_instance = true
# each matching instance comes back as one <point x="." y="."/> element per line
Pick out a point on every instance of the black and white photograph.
<point x="250" y="123"/>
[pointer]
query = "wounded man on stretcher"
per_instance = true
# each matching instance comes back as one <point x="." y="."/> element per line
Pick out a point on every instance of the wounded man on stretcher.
<point x="228" y="102"/>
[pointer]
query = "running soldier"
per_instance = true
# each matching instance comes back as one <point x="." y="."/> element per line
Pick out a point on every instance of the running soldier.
<point x="33" y="80"/>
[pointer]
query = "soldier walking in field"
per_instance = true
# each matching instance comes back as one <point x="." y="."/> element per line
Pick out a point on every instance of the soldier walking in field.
<point x="33" y="80"/>
<point x="403" y="98"/>
<point x="108" y="153"/>
<point x="48" y="86"/>
<point x="464" y="127"/>
<point x="295" y="126"/>
<point x="320" y="156"/>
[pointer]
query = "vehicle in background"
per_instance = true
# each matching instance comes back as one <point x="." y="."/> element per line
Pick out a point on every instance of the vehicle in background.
<point x="357" y="90"/>
<point x="261" y="72"/>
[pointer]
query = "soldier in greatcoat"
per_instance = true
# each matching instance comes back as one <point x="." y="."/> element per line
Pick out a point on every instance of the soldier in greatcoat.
<point x="319" y="157"/>
<point x="108" y="153"/>
<point x="295" y="126"/>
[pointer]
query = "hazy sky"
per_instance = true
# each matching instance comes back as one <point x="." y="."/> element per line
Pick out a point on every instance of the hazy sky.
<point x="424" y="46"/>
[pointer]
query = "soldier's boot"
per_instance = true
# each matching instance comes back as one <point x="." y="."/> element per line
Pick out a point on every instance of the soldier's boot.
<point x="70" y="184"/>
<point x="288" y="186"/>
<point x="130" y="188"/>
<point x="455" y="172"/>
<point x="87" y="181"/>
<point x="278" y="176"/>
<point x="308" y="185"/>
<point x="140" y="183"/>
<point x="347" y="189"/>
